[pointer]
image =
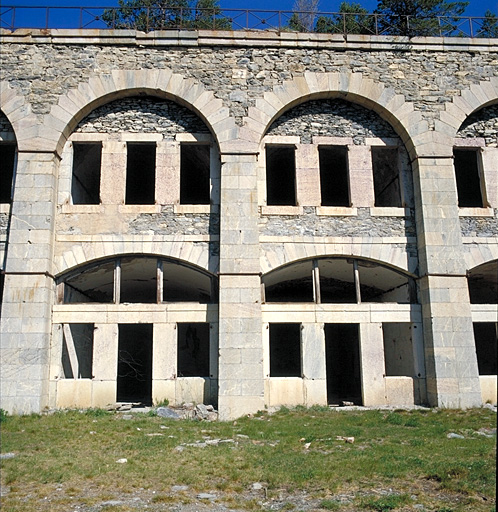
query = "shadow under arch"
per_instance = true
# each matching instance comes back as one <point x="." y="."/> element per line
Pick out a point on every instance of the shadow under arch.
<point x="136" y="278"/>
<point x="483" y="283"/>
<point x="339" y="279"/>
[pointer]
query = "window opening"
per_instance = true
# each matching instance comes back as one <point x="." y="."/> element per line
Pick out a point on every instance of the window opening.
<point x="85" y="183"/>
<point x="77" y="351"/>
<point x="467" y="178"/>
<point x="486" y="335"/>
<point x="337" y="281"/>
<point x="285" y="350"/>
<point x="342" y="353"/>
<point x="293" y="283"/>
<point x="7" y="163"/>
<point x="193" y="350"/>
<point x="194" y="174"/>
<point x="398" y="349"/>
<point x="334" y="175"/>
<point x="138" y="280"/>
<point x="382" y="284"/>
<point x="385" y="166"/>
<point x="140" y="173"/>
<point x="94" y="284"/>
<point x="280" y="175"/>
<point x="134" y="381"/>
<point x="184" y="284"/>
<point x="483" y="283"/>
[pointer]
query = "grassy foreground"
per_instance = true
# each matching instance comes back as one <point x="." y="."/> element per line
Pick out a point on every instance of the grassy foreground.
<point x="401" y="460"/>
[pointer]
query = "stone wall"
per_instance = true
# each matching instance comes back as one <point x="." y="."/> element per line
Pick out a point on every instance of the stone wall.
<point x="332" y="118"/>
<point x="480" y="226"/>
<point x="169" y="223"/>
<point x="142" y="115"/>
<point x="361" y="225"/>
<point x="483" y="123"/>
<point x="429" y="79"/>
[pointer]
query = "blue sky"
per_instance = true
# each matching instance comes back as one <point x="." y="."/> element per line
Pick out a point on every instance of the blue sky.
<point x="475" y="8"/>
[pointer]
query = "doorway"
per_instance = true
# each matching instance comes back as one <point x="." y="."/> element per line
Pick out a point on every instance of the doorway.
<point x="134" y="382"/>
<point x="342" y="353"/>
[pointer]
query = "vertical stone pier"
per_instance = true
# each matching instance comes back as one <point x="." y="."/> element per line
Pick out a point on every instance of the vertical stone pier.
<point x="450" y="354"/>
<point x="29" y="285"/>
<point x="241" y="385"/>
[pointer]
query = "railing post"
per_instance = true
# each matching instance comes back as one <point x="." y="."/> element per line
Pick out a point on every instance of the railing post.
<point x="46" y="16"/>
<point x="344" y="24"/>
<point x="81" y="18"/>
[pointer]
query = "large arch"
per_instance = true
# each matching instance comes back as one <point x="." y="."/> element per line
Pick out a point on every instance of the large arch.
<point x="82" y="253"/>
<point x="470" y="100"/>
<point x="352" y="87"/>
<point x="277" y="255"/>
<point x="72" y="107"/>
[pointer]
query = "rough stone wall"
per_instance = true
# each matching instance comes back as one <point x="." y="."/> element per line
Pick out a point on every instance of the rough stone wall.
<point x="43" y="72"/>
<point x="361" y="225"/>
<point x="142" y="115"/>
<point x="483" y="123"/>
<point x="332" y="118"/>
<point x="480" y="226"/>
<point x="169" y="223"/>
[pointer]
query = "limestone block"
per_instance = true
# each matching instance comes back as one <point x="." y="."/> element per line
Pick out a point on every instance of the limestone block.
<point x="105" y="352"/>
<point x="233" y="407"/>
<point x="313" y="351"/>
<point x="288" y="391"/>
<point x="315" y="392"/>
<point x="400" y="391"/>
<point x="489" y="385"/>
<point x="163" y="390"/>
<point x="372" y="364"/>
<point x="74" y="393"/>
<point x="191" y="389"/>
<point x="113" y="174"/>
<point x="103" y="392"/>
<point x="164" y="355"/>
<point x="360" y="176"/>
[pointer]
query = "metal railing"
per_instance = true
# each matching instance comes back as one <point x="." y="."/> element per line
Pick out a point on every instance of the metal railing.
<point x="147" y="19"/>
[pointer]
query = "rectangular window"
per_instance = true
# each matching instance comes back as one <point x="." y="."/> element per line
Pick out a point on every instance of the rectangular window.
<point x="285" y="350"/>
<point x="7" y="161"/>
<point x="280" y="176"/>
<point x="77" y="350"/>
<point x="334" y="176"/>
<point x="486" y="339"/>
<point x="385" y="167"/>
<point x="468" y="180"/>
<point x="193" y="350"/>
<point x="398" y="349"/>
<point x="195" y="174"/>
<point x="140" y="173"/>
<point x="85" y="183"/>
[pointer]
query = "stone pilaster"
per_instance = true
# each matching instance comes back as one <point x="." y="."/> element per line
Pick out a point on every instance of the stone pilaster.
<point x="29" y="286"/>
<point x="241" y="385"/>
<point x="451" y="361"/>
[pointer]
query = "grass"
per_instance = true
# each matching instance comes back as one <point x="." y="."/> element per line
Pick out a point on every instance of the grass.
<point x="398" y="458"/>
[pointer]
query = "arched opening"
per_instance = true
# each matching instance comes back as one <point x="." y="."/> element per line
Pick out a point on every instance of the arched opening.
<point x="338" y="280"/>
<point x="483" y="283"/>
<point x="137" y="279"/>
<point x="140" y="150"/>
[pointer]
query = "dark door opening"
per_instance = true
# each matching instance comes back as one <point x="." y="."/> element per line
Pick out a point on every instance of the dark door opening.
<point x="342" y="353"/>
<point x="134" y="383"/>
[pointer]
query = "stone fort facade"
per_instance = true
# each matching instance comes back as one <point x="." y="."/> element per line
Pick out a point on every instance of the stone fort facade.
<point x="250" y="219"/>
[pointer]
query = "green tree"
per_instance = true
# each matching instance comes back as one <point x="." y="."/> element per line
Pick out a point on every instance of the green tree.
<point x="147" y="15"/>
<point x="418" y="17"/>
<point x="351" y="19"/>
<point x="489" y="26"/>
